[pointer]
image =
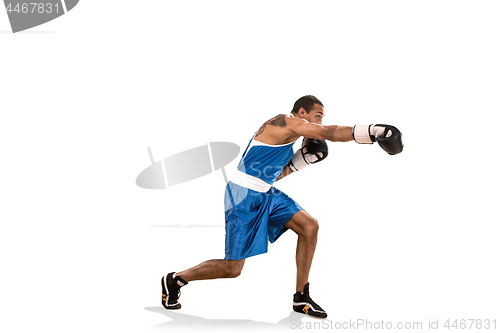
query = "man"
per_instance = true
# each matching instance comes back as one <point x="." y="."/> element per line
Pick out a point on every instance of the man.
<point x="257" y="212"/>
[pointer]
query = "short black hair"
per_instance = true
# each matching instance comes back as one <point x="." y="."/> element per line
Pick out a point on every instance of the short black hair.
<point x="307" y="102"/>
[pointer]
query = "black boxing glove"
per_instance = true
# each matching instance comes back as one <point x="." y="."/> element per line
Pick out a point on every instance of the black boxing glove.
<point x="312" y="151"/>
<point x="387" y="136"/>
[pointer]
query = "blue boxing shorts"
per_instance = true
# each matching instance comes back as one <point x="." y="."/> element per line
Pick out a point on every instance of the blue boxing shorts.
<point x="255" y="218"/>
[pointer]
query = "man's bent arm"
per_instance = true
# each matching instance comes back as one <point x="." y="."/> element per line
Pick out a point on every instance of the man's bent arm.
<point x="284" y="172"/>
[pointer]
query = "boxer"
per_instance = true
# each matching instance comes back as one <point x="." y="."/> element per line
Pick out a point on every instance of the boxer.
<point x="257" y="213"/>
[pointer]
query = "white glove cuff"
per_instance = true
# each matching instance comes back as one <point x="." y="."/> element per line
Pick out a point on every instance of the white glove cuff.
<point x="298" y="162"/>
<point x="361" y="133"/>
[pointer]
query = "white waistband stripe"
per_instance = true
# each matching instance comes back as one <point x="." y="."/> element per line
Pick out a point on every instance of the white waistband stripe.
<point x="251" y="182"/>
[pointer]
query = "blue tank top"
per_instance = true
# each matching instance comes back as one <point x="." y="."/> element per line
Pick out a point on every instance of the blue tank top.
<point x="265" y="161"/>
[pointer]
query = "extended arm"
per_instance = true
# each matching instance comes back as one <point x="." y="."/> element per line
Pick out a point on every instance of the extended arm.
<point x="332" y="133"/>
<point x="389" y="138"/>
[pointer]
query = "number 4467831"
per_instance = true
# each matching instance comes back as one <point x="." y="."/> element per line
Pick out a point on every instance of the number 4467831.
<point x="471" y="324"/>
<point x="33" y="8"/>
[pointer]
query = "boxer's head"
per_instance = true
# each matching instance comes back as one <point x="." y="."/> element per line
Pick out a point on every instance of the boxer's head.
<point x="310" y="108"/>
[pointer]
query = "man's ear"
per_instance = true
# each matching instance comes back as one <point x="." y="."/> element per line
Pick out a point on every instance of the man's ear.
<point x="302" y="111"/>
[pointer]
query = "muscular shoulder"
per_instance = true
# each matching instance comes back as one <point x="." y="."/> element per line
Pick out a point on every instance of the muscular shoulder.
<point x="278" y="121"/>
<point x="283" y="120"/>
<point x="294" y="121"/>
<point x="278" y="129"/>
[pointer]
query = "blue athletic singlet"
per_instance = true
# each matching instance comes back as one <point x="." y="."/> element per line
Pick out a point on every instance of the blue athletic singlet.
<point x="255" y="211"/>
<point x="265" y="161"/>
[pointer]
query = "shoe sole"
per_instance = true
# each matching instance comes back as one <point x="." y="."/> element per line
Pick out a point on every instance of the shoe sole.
<point x="164" y="296"/>
<point x="308" y="309"/>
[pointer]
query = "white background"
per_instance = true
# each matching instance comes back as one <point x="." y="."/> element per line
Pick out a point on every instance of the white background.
<point x="403" y="238"/>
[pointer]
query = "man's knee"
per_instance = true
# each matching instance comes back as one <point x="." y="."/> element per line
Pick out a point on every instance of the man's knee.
<point x="233" y="268"/>
<point x="312" y="227"/>
<point x="304" y="224"/>
<point x="234" y="272"/>
<point x="308" y="227"/>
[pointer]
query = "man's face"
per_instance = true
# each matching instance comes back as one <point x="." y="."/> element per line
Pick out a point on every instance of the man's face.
<point x="315" y="115"/>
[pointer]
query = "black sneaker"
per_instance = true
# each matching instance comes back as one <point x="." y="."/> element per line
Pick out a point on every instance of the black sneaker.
<point x="303" y="303"/>
<point x="171" y="290"/>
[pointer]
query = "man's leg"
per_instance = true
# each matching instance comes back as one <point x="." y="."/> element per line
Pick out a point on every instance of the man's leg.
<point x="306" y="227"/>
<point x="213" y="269"/>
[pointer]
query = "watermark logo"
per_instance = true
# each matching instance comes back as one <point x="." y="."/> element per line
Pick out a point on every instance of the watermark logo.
<point x="187" y="165"/>
<point x="27" y="14"/>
